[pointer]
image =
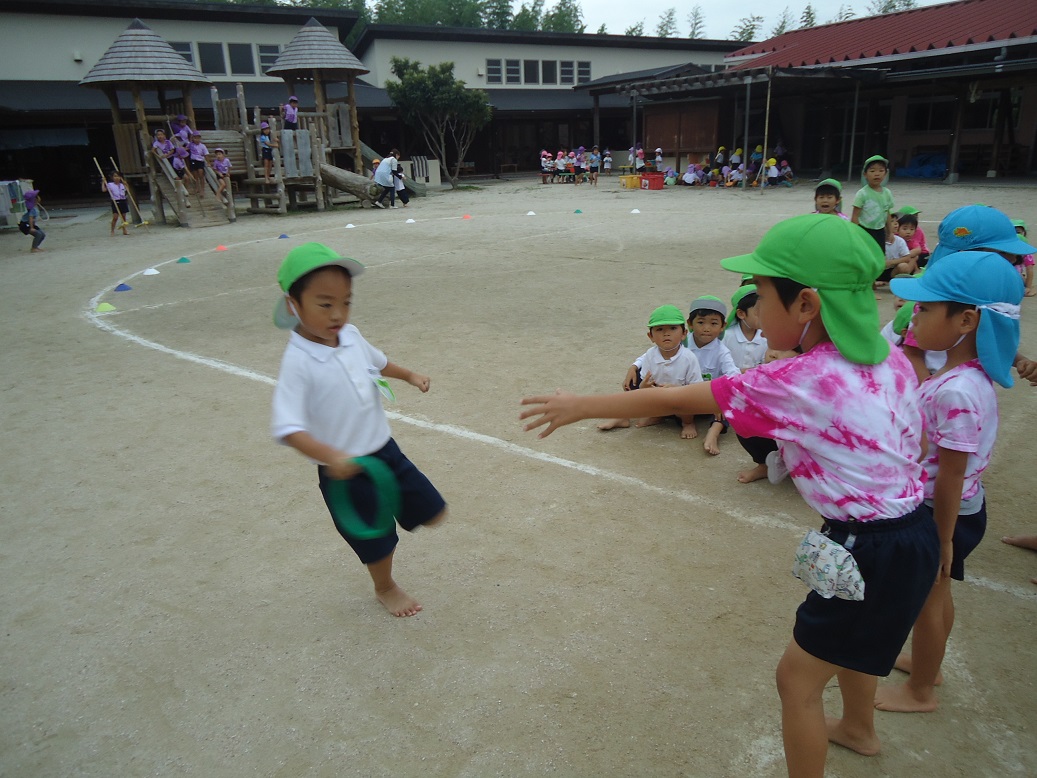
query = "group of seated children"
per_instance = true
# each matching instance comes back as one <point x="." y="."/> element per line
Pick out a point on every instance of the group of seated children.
<point x="707" y="344"/>
<point x="574" y="166"/>
<point x="736" y="173"/>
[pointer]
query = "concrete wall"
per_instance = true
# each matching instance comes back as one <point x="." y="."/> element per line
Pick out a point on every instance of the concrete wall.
<point x="470" y="58"/>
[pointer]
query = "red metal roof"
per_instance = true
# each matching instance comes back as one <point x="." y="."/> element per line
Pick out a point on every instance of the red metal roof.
<point x="930" y="28"/>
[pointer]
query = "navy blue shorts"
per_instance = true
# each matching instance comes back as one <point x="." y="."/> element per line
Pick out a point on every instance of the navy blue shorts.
<point x="898" y="559"/>
<point x="968" y="531"/>
<point x="420" y="502"/>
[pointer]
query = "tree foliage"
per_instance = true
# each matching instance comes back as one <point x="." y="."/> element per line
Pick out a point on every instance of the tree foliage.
<point x="528" y="17"/>
<point x="636" y="30"/>
<point x="565" y="16"/>
<point x="434" y="101"/>
<point x="497" y="14"/>
<point x="808" y="18"/>
<point x="747" y="28"/>
<point x="845" y="13"/>
<point x="783" y="24"/>
<point x="697" y="22"/>
<point x="876" y="7"/>
<point x="603" y="30"/>
<point x="667" y="26"/>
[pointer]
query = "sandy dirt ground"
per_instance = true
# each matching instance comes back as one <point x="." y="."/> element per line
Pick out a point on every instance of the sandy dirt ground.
<point x="176" y="600"/>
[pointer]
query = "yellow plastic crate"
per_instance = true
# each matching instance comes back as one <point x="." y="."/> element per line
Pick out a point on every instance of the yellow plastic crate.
<point x="630" y="182"/>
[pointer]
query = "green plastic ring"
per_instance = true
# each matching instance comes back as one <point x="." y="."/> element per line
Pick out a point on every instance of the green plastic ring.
<point x="343" y="512"/>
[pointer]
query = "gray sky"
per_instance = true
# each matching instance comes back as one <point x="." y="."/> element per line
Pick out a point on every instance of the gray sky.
<point x="720" y="17"/>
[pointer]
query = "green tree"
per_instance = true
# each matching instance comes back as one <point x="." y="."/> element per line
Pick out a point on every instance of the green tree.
<point x="845" y="13"/>
<point x="808" y="18"/>
<point x="497" y="14"/>
<point x="566" y="16"/>
<point x="434" y="101"/>
<point x="697" y="22"/>
<point x="603" y="30"/>
<point x="667" y="26"/>
<point x="783" y="25"/>
<point x="529" y="17"/>
<point x="876" y="7"/>
<point x="747" y="28"/>
<point x="637" y="30"/>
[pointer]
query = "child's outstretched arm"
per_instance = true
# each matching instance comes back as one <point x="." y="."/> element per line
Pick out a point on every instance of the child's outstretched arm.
<point x="557" y="410"/>
<point x="414" y="379"/>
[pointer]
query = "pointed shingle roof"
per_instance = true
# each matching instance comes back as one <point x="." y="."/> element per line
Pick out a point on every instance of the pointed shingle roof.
<point x="140" y="56"/>
<point x="315" y="48"/>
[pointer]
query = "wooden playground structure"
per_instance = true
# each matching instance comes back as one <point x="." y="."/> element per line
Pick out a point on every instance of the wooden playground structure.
<point x="302" y="174"/>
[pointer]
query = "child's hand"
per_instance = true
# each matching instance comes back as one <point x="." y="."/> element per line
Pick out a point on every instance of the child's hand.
<point x="1027" y="370"/>
<point x="555" y="410"/>
<point x="343" y="469"/>
<point x="630" y="379"/>
<point x="420" y="381"/>
<point x="648" y="382"/>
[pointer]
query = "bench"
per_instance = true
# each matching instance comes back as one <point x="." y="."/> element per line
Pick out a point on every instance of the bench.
<point x="509" y="167"/>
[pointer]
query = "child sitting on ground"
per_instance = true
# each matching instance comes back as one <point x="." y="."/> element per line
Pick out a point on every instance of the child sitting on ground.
<point x="813" y="276"/>
<point x="546" y="168"/>
<point x="327" y="405"/>
<point x="898" y="256"/>
<point x="773" y="175"/>
<point x="706" y="324"/>
<point x="1025" y="263"/>
<point x="968" y="305"/>
<point x="908" y="229"/>
<point x="748" y="348"/>
<point x="667" y="363"/>
<point x="786" y="173"/>
<point x="828" y="198"/>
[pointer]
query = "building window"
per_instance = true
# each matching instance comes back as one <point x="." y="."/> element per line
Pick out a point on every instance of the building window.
<point x="549" y="72"/>
<point x="210" y="59"/>
<point x="513" y="71"/>
<point x="242" y="62"/>
<point x="567" y="72"/>
<point x="935" y="115"/>
<point x="583" y="72"/>
<point x="268" y="54"/>
<point x="493" y="72"/>
<point x="531" y="71"/>
<point x="183" y="48"/>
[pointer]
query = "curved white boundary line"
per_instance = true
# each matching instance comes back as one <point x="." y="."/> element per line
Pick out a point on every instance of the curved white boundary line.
<point x="99" y="321"/>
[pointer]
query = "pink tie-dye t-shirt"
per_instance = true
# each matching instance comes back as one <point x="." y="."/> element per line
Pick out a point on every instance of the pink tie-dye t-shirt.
<point x="959" y="410"/>
<point x="850" y="434"/>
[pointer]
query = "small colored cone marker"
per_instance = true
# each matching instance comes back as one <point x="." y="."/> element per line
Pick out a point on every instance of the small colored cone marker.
<point x="577" y="211"/>
<point x="183" y="261"/>
<point x="635" y="211"/>
<point x="282" y="236"/>
<point x="123" y="288"/>
<point x="105" y="308"/>
<point x="409" y="221"/>
<point x="221" y="247"/>
<point x="530" y="213"/>
<point x="350" y="226"/>
<point x="150" y="272"/>
<point x="467" y="216"/>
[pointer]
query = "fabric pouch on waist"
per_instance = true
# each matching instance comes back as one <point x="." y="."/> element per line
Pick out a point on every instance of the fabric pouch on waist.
<point x="828" y="567"/>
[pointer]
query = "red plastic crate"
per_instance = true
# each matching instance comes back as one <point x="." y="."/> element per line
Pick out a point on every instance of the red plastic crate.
<point x="652" y="181"/>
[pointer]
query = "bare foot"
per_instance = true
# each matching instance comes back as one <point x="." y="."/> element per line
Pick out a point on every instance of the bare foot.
<point x="688" y="431"/>
<point x="903" y="664"/>
<point x="755" y="474"/>
<point x="651" y="421"/>
<point x="901" y="698"/>
<point x="712" y="442"/>
<point x="398" y="602"/>
<point x="614" y="424"/>
<point x="865" y="745"/>
<point x="1031" y="292"/>
<point x="35" y="251"/>
<point x="1022" y="541"/>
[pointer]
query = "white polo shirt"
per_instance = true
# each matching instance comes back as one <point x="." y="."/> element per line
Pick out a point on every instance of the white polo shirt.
<point x="331" y="393"/>
<point x="745" y="352"/>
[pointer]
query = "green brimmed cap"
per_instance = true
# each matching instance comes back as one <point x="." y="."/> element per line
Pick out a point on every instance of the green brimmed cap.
<point x="708" y="302"/>
<point x="736" y="298"/>
<point x="829" y="182"/>
<point x="1019" y="223"/>
<point x="665" y="314"/>
<point x="908" y="210"/>
<point x="840" y="261"/>
<point x="300" y="261"/>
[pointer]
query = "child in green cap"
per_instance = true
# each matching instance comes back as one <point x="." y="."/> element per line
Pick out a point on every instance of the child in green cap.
<point x="873" y="204"/>
<point x="666" y="363"/>
<point x="828" y="198"/>
<point x="327" y="405"/>
<point x="847" y="422"/>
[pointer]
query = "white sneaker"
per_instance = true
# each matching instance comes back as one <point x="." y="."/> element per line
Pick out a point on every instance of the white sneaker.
<point x="377" y="204"/>
<point x="394" y="207"/>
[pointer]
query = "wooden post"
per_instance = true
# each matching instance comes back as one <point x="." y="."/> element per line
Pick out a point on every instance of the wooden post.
<point x="955" y="145"/>
<point x="113" y="101"/>
<point x="317" y="154"/>
<point x="354" y="126"/>
<point x="189" y="105"/>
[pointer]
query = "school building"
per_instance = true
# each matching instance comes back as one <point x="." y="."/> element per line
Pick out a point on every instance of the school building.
<point x="944" y="90"/>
